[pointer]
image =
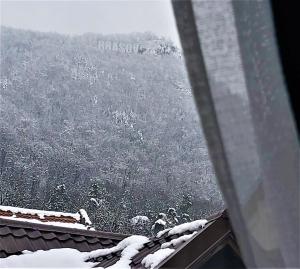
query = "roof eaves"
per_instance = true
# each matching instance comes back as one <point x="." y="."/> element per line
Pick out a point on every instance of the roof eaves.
<point x="59" y="229"/>
<point x="201" y="246"/>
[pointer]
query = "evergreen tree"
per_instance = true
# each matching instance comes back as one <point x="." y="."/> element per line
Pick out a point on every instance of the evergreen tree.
<point x="186" y="204"/>
<point x="97" y="201"/>
<point x="160" y="224"/>
<point x="60" y="199"/>
<point x="172" y="217"/>
<point x="122" y="128"/>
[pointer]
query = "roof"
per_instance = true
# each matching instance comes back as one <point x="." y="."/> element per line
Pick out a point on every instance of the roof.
<point x="184" y="245"/>
<point x="196" y="252"/>
<point x="78" y="220"/>
<point x="182" y="240"/>
<point x="16" y="236"/>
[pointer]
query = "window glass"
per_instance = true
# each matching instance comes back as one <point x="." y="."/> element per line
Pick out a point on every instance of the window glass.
<point x="96" y="112"/>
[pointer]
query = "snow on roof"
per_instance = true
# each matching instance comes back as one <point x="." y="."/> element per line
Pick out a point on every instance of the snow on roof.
<point x="152" y="260"/>
<point x="79" y="220"/>
<point x="52" y="223"/>
<point x="129" y="248"/>
<point x="161" y="233"/>
<point x="72" y="258"/>
<point x="134" y="240"/>
<point x="177" y="241"/>
<point x="135" y="244"/>
<point x="85" y="217"/>
<point x="40" y="213"/>
<point x="166" y="249"/>
<point x="53" y="258"/>
<point x="189" y="226"/>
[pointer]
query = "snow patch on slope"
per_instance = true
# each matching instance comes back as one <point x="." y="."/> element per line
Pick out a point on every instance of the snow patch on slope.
<point x="161" y="233"/>
<point x="54" y="258"/>
<point x="152" y="260"/>
<point x="177" y="241"/>
<point x="130" y="246"/>
<point x="189" y="226"/>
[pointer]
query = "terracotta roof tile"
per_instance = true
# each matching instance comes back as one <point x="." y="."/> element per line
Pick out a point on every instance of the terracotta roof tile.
<point x="80" y="218"/>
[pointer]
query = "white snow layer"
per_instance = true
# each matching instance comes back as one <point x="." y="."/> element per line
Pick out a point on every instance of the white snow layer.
<point x="152" y="260"/>
<point x="160" y="221"/>
<point x="159" y="234"/>
<point x="40" y="213"/>
<point x="54" y="258"/>
<point x="93" y="200"/>
<point x="177" y="241"/>
<point x="85" y="216"/>
<point x="127" y="254"/>
<point x="72" y="258"/>
<point x="189" y="226"/>
<point x="130" y="246"/>
<point x="52" y="223"/>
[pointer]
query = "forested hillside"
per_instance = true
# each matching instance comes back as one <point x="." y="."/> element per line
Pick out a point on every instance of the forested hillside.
<point x="111" y="132"/>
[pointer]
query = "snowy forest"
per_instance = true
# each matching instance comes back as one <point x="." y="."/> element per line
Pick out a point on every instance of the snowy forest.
<point x="114" y="133"/>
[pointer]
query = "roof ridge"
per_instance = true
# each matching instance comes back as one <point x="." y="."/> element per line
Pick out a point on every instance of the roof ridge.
<point x="32" y="211"/>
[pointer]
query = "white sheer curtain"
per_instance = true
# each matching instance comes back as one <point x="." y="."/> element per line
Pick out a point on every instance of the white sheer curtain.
<point x="231" y="56"/>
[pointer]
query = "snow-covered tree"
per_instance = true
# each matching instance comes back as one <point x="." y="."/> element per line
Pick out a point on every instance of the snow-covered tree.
<point x="70" y="112"/>
<point x="185" y="218"/>
<point x="160" y="224"/>
<point x="97" y="204"/>
<point x="186" y="204"/>
<point x="172" y="217"/>
<point x="59" y="200"/>
<point x="140" y="224"/>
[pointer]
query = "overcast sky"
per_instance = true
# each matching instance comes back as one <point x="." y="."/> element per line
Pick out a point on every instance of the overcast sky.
<point x="77" y="17"/>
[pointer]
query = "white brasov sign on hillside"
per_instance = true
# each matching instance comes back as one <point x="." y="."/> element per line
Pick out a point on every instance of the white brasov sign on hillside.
<point x="119" y="46"/>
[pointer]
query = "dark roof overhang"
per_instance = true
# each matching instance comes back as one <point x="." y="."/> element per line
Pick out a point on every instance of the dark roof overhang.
<point x="216" y="235"/>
